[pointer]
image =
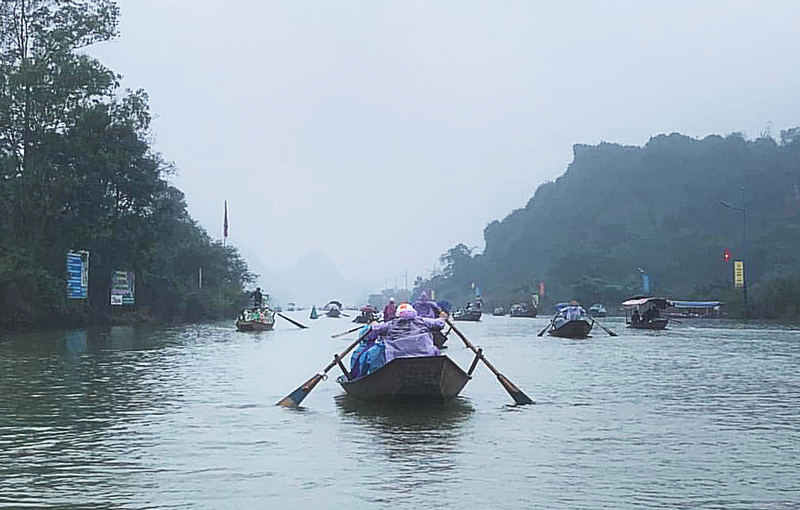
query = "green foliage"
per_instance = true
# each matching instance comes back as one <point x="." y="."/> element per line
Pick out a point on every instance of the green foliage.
<point x="657" y="207"/>
<point x="77" y="172"/>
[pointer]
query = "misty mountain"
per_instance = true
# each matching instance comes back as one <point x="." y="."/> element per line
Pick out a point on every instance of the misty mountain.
<point x="658" y="207"/>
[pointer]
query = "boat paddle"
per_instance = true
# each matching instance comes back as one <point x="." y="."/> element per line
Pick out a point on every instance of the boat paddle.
<point x="604" y="328"/>
<point x="294" y="398"/>
<point x="301" y="326"/>
<point x="347" y="332"/>
<point x="517" y="394"/>
<point x="545" y="329"/>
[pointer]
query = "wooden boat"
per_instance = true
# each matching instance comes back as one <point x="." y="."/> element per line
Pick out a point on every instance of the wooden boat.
<point x="425" y="378"/>
<point x="522" y="310"/>
<point x="368" y="314"/>
<point x="467" y="315"/>
<point x="576" y="328"/>
<point x="333" y="312"/>
<point x="256" y="320"/>
<point x="646" y="312"/>
<point x="598" y="310"/>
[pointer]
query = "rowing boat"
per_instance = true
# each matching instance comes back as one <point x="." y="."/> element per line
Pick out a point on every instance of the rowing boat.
<point x="576" y="328"/>
<point x="422" y="378"/>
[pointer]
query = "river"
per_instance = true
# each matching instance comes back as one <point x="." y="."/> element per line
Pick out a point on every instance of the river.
<point x="702" y="415"/>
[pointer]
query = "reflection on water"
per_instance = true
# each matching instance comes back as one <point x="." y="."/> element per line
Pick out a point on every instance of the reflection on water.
<point x="421" y="442"/>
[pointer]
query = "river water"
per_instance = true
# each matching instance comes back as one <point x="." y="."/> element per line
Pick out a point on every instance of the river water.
<point x="703" y="415"/>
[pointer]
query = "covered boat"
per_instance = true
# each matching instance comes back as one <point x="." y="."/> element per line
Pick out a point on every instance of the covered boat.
<point x="646" y="312"/>
<point x="256" y="319"/>
<point x="467" y="315"/>
<point x="368" y="314"/>
<point x="499" y="312"/>
<point x="333" y="309"/>
<point x="433" y="378"/>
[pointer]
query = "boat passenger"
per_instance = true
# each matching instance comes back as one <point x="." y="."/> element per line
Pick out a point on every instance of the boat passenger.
<point x="409" y="335"/>
<point x="257" y="298"/>
<point x="635" y="318"/>
<point x="368" y="356"/>
<point x="426" y="308"/>
<point x="574" y="311"/>
<point x="389" y="309"/>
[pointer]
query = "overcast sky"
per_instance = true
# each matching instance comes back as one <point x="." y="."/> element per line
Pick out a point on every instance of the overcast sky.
<point x="384" y="133"/>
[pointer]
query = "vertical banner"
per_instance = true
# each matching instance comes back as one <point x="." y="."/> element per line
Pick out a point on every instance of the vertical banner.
<point x="541" y="289"/>
<point x="738" y="274"/>
<point x="645" y="283"/>
<point x="433" y="294"/>
<point x="77" y="274"/>
<point x="123" y="288"/>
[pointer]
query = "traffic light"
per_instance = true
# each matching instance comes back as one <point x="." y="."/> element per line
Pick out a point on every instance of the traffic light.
<point x="726" y="255"/>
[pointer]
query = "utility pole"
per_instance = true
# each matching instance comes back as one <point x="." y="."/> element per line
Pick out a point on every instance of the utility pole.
<point x="743" y="209"/>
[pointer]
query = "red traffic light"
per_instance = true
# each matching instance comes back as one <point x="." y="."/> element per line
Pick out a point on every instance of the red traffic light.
<point x="726" y="255"/>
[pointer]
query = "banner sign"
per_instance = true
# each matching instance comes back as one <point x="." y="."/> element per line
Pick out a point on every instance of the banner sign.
<point x="738" y="274"/>
<point x="77" y="274"/>
<point x="541" y="289"/>
<point x="123" y="287"/>
<point x="646" y="283"/>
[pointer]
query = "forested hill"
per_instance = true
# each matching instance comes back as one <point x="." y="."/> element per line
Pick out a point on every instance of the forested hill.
<point x="620" y="208"/>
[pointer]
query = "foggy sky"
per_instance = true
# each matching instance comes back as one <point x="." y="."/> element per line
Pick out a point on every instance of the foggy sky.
<point x="384" y="133"/>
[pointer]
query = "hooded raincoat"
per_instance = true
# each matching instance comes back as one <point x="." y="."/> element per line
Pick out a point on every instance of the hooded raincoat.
<point x="426" y="308"/>
<point x="409" y="337"/>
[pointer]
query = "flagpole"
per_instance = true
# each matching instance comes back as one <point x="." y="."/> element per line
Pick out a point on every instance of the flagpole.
<point x="225" y="226"/>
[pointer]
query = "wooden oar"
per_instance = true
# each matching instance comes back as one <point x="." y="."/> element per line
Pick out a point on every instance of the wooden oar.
<point x="301" y="326"/>
<point x="517" y="394"/>
<point x="604" y="328"/>
<point x="545" y="329"/>
<point x="294" y="398"/>
<point x="347" y="332"/>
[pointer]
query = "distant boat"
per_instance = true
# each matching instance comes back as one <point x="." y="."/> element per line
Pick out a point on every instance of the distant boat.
<point x="523" y="310"/>
<point x="421" y="378"/>
<point x="333" y="309"/>
<point x="646" y="312"/>
<point x="499" y="312"/>
<point x="290" y="307"/>
<point x="598" y="310"/>
<point x="472" y="312"/>
<point x="256" y="319"/>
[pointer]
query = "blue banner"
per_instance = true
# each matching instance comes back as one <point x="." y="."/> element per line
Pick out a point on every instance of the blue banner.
<point x="646" y="283"/>
<point x="77" y="275"/>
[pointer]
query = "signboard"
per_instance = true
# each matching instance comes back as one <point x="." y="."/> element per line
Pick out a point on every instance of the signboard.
<point x="738" y="274"/>
<point x="77" y="274"/>
<point x="123" y="287"/>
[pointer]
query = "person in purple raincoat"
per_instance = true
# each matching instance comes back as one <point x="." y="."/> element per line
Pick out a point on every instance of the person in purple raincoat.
<point x="408" y="335"/>
<point x="426" y="308"/>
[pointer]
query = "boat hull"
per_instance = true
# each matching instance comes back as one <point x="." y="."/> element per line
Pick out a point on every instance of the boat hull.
<point x="425" y="378"/>
<point x="654" y="324"/>
<point x="573" y="329"/>
<point x="472" y="316"/>
<point x="333" y="313"/>
<point x="253" y="326"/>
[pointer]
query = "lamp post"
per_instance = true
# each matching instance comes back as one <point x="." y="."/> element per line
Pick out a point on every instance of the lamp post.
<point x="743" y="209"/>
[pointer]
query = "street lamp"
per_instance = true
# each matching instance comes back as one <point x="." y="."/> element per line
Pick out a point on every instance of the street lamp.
<point x="743" y="209"/>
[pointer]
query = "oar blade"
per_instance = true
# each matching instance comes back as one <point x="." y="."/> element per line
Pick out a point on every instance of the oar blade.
<point x="517" y="394"/>
<point x="294" y="398"/>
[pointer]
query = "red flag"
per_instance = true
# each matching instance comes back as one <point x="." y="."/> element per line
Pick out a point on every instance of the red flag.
<point x="225" y="223"/>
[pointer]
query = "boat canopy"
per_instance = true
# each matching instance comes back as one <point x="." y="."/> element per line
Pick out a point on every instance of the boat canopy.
<point x="559" y="306"/>
<point x="332" y="302"/>
<point x="658" y="302"/>
<point x="697" y="304"/>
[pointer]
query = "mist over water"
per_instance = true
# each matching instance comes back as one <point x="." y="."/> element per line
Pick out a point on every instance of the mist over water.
<point x="702" y="415"/>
